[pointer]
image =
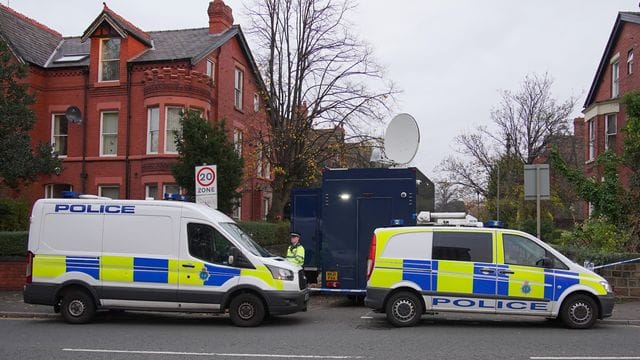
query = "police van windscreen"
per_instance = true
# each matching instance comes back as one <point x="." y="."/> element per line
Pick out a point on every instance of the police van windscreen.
<point x="246" y="240"/>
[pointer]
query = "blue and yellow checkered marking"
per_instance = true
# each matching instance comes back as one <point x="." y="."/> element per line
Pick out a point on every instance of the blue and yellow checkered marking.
<point x="87" y="265"/>
<point x="132" y="269"/>
<point x="488" y="279"/>
<point x="421" y="272"/>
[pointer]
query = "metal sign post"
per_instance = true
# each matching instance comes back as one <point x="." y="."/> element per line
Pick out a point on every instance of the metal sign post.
<point x="536" y="187"/>
<point x="207" y="185"/>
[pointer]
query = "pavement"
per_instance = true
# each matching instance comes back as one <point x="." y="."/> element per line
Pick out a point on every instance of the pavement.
<point x="625" y="312"/>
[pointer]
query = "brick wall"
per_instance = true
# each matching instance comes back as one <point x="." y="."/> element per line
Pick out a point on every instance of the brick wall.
<point x="12" y="273"/>
<point x="625" y="279"/>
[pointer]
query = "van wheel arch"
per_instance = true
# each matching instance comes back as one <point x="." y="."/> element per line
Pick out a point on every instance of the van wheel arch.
<point x="71" y="286"/>
<point x="583" y="292"/>
<point x="404" y="289"/>
<point x="244" y="290"/>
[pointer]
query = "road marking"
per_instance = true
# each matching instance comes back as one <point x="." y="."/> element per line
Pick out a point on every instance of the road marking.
<point x="585" y="358"/>
<point x="214" y="354"/>
<point x="367" y="315"/>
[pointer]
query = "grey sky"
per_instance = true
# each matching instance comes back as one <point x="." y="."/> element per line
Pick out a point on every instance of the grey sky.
<point x="450" y="58"/>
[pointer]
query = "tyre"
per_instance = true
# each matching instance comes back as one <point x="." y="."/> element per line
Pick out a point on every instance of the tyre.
<point x="579" y="312"/>
<point x="77" y="307"/>
<point x="247" y="310"/>
<point x="404" y="309"/>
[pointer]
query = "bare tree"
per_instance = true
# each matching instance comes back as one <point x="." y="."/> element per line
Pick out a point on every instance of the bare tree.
<point x="525" y="122"/>
<point x="318" y="76"/>
<point x="448" y="196"/>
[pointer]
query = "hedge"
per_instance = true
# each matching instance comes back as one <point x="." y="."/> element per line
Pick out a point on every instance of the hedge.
<point x="598" y="257"/>
<point x="13" y="243"/>
<point x="267" y="234"/>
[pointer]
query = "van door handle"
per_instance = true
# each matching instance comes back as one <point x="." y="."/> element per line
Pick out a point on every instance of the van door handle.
<point x="506" y="272"/>
<point x="487" y="271"/>
<point x="191" y="266"/>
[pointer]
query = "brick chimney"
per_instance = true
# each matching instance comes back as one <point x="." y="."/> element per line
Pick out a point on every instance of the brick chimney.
<point x="220" y="17"/>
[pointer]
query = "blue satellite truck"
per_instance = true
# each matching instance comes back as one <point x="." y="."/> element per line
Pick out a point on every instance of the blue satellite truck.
<point x="337" y="220"/>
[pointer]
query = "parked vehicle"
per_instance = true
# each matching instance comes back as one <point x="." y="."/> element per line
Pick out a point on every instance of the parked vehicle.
<point x="337" y="220"/>
<point x="95" y="253"/>
<point x="417" y="269"/>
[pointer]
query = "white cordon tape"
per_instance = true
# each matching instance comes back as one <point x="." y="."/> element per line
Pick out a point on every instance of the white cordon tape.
<point x="616" y="263"/>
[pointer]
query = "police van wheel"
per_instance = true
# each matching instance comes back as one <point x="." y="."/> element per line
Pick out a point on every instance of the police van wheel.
<point x="404" y="309"/>
<point x="77" y="307"/>
<point x="579" y="312"/>
<point x="246" y="310"/>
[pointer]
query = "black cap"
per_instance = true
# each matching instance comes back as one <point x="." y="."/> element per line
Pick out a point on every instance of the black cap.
<point x="295" y="234"/>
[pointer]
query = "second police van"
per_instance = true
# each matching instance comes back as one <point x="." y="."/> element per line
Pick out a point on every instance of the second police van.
<point x="413" y="270"/>
<point x="96" y="253"/>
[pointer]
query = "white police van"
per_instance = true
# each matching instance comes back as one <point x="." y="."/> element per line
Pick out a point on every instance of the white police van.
<point x="96" y="253"/>
<point x="418" y="269"/>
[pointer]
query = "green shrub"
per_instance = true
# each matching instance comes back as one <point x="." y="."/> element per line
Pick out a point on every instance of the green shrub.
<point x="13" y="243"/>
<point x="14" y="215"/>
<point x="267" y="234"/>
<point x="596" y="234"/>
<point x="598" y="257"/>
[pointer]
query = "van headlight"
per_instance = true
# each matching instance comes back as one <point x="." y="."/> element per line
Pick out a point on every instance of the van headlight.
<point x="279" y="273"/>
<point x="606" y="286"/>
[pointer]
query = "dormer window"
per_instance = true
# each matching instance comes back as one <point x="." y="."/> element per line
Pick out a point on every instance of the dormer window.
<point x="109" y="59"/>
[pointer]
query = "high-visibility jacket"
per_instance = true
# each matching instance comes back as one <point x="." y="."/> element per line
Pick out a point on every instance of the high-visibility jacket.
<point x="295" y="254"/>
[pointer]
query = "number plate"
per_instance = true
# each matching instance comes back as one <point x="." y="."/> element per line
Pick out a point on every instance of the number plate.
<point x="331" y="276"/>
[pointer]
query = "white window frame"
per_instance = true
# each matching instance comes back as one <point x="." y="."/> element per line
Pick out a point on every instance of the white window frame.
<point x="238" y="88"/>
<point x="149" y="150"/>
<point x="164" y="189"/>
<point x="607" y="132"/>
<point x="237" y="212"/>
<point x="591" y="138"/>
<point x="53" y="133"/>
<point x="259" y="170"/>
<point x="630" y="62"/>
<point x="101" y="60"/>
<point x="102" y="134"/>
<point x="147" y="187"/>
<point x="237" y="141"/>
<point x="166" y="127"/>
<point x="102" y="187"/>
<point x="210" y="69"/>
<point x="256" y="103"/>
<point x="615" y="79"/>
<point x="49" y="189"/>
<point x="265" y="207"/>
<point x="267" y="169"/>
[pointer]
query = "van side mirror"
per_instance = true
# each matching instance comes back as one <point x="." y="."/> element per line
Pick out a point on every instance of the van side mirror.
<point x="237" y="259"/>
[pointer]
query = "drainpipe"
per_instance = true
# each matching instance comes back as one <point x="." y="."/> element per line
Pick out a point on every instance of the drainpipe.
<point x="83" y="172"/>
<point x="127" y="165"/>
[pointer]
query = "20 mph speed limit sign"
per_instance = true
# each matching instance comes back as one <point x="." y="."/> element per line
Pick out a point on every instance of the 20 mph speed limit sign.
<point x="207" y="185"/>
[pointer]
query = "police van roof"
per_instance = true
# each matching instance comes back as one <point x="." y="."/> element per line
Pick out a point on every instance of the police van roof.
<point x="202" y="210"/>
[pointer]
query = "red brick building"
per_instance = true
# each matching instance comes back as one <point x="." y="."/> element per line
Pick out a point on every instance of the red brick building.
<point x="131" y="87"/>
<point x="617" y="74"/>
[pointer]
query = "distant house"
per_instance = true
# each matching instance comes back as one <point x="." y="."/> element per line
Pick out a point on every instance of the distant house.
<point x="617" y="74"/>
<point x="131" y="86"/>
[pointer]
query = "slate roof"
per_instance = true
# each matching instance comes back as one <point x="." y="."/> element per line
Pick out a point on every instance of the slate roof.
<point x="31" y="41"/>
<point x="623" y="16"/>
<point x="39" y="45"/>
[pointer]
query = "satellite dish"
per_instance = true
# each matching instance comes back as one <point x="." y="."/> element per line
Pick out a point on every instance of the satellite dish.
<point x="73" y="114"/>
<point x="402" y="139"/>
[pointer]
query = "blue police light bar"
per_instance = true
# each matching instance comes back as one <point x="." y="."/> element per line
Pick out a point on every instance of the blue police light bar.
<point x="397" y="222"/>
<point x="494" y="224"/>
<point x="175" y="197"/>
<point x="70" y="195"/>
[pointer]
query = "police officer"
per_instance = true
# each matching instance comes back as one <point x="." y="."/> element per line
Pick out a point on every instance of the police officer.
<point x="295" y="252"/>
